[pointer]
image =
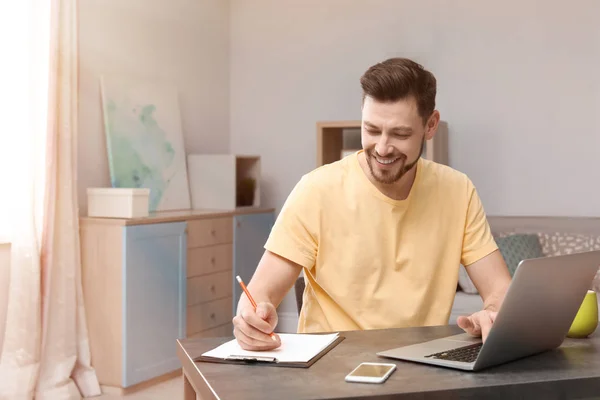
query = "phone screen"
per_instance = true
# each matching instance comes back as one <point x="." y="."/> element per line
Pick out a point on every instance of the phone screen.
<point x="371" y="370"/>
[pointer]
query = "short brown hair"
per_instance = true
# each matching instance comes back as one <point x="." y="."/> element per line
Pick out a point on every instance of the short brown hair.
<point x="398" y="78"/>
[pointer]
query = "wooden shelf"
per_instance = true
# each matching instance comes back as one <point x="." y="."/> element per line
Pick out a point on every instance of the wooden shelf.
<point x="330" y="141"/>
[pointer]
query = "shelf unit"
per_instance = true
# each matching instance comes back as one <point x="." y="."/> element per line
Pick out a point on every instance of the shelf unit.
<point x="219" y="180"/>
<point x="332" y="136"/>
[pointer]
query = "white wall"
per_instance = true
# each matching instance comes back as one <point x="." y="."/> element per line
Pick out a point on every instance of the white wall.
<point x="180" y="42"/>
<point x="518" y="85"/>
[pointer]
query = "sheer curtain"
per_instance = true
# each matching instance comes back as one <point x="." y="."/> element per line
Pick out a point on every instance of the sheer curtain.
<point x="24" y="36"/>
<point x="45" y="352"/>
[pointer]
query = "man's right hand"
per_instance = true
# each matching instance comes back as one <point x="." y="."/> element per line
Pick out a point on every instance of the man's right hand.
<point x="252" y="328"/>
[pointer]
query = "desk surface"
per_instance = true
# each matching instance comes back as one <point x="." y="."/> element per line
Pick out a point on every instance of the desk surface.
<point x="573" y="370"/>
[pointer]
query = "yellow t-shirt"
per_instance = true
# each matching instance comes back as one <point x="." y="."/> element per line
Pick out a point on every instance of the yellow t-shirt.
<point x="372" y="262"/>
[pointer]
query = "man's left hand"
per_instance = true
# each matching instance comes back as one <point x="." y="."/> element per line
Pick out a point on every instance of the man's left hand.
<point x="478" y="324"/>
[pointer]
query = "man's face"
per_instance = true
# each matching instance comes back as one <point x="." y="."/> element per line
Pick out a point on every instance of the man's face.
<point x="393" y="136"/>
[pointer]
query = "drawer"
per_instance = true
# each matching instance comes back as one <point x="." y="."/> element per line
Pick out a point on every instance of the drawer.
<point x="208" y="232"/>
<point x="208" y="260"/>
<point x="201" y="289"/>
<point x="220" y="331"/>
<point x="204" y="316"/>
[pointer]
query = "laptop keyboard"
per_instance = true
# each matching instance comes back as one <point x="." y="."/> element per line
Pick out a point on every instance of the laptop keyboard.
<point x="462" y="354"/>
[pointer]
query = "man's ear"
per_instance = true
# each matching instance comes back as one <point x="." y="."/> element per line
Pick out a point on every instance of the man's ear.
<point x="432" y="125"/>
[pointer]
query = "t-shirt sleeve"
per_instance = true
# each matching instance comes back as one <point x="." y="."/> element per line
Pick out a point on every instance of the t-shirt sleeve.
<point x="295" y="234"/>
<point x="478" y="240"/>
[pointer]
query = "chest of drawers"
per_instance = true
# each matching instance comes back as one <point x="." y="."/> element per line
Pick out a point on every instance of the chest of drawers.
<point x="210" y="277"/>
<point x="149" y="281"/>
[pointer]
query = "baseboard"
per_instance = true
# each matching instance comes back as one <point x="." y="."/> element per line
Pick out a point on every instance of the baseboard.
<point x="119" y="391"/>
<point x="288" y="322"/>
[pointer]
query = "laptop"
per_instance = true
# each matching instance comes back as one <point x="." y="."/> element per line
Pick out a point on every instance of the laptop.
<point x="539" y="307"/>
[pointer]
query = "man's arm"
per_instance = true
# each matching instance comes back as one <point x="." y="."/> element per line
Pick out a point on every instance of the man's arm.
<point x="292" y="245"/>
<point x="273" y="278"/>
<point x="484" y="264"/>
<point x="491" y="278"/>
<point x="271" y="281"/>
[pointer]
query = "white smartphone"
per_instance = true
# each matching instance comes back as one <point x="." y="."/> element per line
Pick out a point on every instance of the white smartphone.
<point x="371" y="373"/>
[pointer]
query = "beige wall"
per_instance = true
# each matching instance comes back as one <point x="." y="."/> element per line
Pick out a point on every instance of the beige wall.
<point x="180" y="42"/>
<point x="518" y="85"/>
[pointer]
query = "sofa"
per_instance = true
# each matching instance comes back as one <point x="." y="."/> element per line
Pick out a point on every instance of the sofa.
<point x="528" y="237"/>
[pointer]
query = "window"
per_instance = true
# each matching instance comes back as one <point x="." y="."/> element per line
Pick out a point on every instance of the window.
<point x="24" y="67"/>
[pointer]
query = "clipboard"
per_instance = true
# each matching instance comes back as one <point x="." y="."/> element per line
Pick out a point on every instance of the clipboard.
<point x="257" y="358"/>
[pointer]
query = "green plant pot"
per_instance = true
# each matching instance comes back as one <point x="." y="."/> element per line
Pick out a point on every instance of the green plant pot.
<point x="586" y="320"/>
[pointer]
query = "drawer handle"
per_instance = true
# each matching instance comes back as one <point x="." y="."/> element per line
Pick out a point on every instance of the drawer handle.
<point x="212" y="260"/>
<point x="213" y="232"/>
<point x="212" y="316"/>
<point x="212" y="288"/>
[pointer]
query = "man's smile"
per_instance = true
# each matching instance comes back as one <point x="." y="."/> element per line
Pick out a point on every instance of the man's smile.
<point x="386" y="161"/>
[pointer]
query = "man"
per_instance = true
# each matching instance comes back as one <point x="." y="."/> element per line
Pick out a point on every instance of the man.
<point x="379" y="234"/>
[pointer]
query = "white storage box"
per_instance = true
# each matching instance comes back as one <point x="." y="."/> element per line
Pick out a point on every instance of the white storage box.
<point x="118" y="202"/>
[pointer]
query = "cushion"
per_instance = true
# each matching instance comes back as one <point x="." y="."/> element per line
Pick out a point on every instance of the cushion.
<point x="514" y="248"/>
<point x="552" y="244"/>
<point x="560" y="243"/>
<point x="518" y="247"/>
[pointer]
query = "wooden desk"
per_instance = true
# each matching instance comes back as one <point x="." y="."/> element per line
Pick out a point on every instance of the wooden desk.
<point x="572" y="371"/>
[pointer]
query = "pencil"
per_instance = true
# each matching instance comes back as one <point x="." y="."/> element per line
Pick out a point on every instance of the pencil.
<point x="245" y="289"/>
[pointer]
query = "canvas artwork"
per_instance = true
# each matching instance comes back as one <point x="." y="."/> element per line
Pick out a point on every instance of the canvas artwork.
<point x="144" y="138"/>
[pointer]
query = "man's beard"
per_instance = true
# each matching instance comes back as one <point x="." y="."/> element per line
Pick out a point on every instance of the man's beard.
<point x="394" y="175"/>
